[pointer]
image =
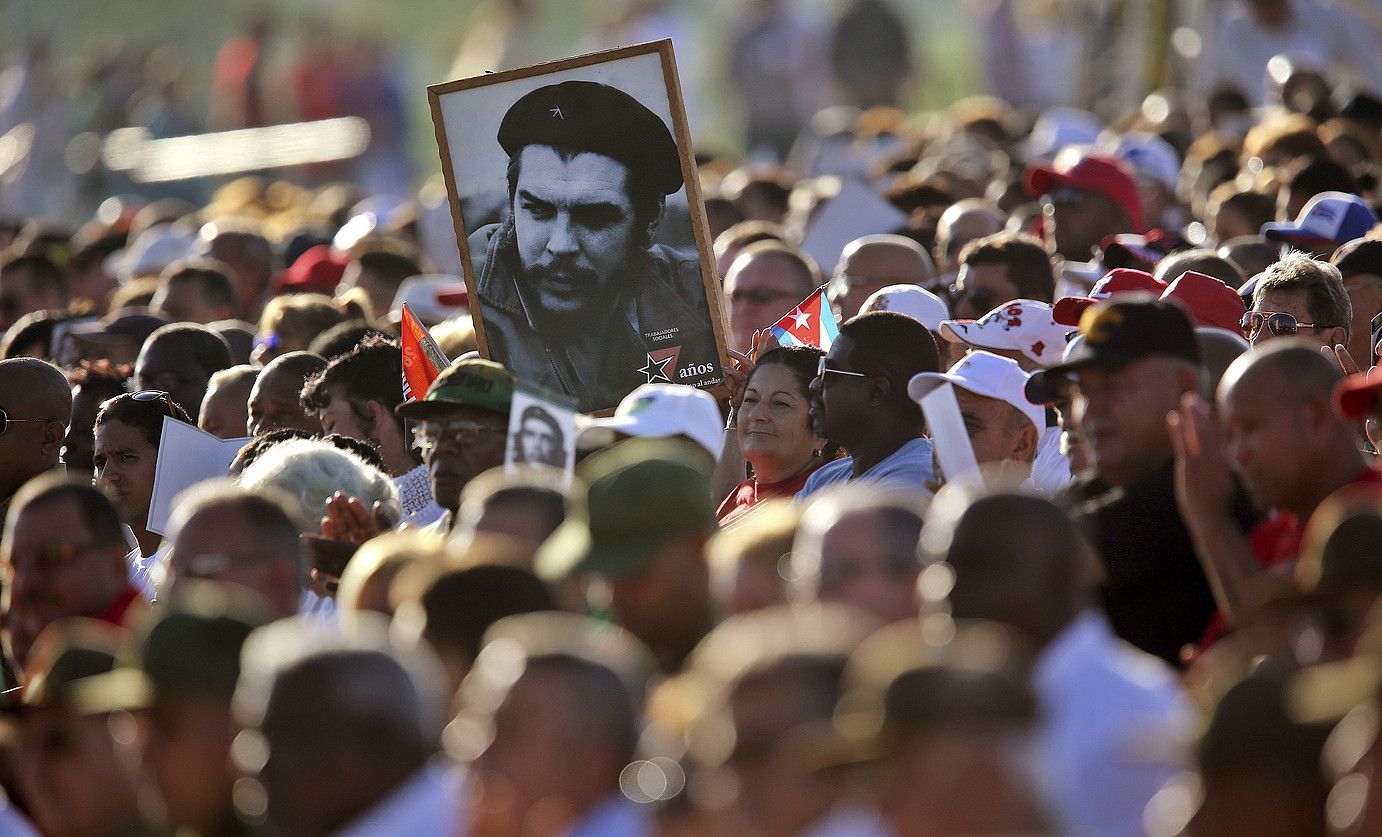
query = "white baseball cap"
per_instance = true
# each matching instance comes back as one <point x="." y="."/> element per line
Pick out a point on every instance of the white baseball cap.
<point x="914" y="301"/>
<point x="154" y="249"/>
<point x="662" y="410"/>
<point x="986" y="374"/>
<point x="1023" y="325"/>
<point x="433" y="297"/>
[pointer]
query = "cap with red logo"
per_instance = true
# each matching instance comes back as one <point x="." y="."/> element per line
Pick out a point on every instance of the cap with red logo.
<point x="1023" y="325"/>
<point x="1209" y="301"/>
<point x="1124" y="280"/>
<point x="1091" y="173"/>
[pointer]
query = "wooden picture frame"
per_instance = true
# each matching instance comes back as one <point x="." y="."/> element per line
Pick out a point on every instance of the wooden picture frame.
<point x="649" y="307"/>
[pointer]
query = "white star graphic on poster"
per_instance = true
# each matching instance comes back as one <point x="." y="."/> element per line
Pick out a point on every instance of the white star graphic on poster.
<point x="656" y="370"/>
<point x="803" y="319"/>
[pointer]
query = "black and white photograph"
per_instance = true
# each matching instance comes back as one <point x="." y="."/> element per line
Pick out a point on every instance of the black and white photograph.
<point x="579" y="224"/>
<point x="542" y="430"/>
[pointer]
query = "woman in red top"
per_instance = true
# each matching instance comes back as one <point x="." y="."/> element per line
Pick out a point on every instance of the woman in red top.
<point x="773" y="425"/>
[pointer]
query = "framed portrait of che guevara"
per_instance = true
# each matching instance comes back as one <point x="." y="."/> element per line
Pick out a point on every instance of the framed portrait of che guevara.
<point x="580" y="226"/>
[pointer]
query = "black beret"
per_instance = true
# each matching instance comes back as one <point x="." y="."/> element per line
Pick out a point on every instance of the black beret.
<point x="589" y="116"/>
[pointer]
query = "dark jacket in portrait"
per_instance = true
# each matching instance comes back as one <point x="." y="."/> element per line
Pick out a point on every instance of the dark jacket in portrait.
<point x="658" y="331"/>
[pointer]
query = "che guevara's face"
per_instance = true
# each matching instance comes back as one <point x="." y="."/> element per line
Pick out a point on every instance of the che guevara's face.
<point x="574" y="223"/>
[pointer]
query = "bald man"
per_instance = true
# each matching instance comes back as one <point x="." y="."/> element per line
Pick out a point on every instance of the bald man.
<point x="963" y="222"/>
<point x="763" y="283"/>
<point x="873" y="262"/>
<point x="1281" y="435"/>
<point x="276" y="398"/>
<point x="36" y="406"/>
<point x="1099" y="696"/>
<point x="225" y="409"/>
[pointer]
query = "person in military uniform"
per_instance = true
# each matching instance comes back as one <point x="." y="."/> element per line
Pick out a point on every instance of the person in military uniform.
<point x="574" y="294"/>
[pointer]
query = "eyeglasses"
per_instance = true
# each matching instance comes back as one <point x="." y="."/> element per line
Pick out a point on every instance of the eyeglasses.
<point x="145" y="396"/>
<point x="821" y="369"/>
<point x="981" y="299"/>
<point x="6" y="421"/>
<point x="430" y="435"/>
<point x="1279" y="323"/>
<point x="753" y="297"/>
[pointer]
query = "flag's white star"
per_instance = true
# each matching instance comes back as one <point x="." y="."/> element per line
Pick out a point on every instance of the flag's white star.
<point x="803" y="319"/>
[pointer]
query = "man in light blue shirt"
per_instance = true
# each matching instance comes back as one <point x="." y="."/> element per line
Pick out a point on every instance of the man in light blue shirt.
<point x="859" y="401"/>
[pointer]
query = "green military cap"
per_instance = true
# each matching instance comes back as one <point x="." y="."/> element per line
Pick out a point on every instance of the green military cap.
<point x="469" y="382"/>
<point x="589" y="116"/>
<point x="637" y="495"/>
<point x="65" y="655"/>
<point x="192" y="645"/>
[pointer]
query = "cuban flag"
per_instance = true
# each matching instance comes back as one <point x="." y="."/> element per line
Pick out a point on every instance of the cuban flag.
<point x="810" y="323"/>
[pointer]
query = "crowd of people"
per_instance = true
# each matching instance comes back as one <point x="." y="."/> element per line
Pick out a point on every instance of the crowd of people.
<point x="1127" y="585"/>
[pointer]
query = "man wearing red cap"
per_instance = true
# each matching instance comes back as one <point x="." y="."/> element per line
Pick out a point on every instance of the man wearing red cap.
<point x="1084" y="202"/>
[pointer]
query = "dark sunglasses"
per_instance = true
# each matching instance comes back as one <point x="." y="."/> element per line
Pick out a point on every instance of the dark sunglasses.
<point x="146" y="396"/>
<point x="6" y="421"/>
<point x="982" y="299"/>
<point x="1278" y="323"/>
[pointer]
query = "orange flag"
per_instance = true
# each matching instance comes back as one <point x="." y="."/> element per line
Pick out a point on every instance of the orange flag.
<point x="423" y="360"/>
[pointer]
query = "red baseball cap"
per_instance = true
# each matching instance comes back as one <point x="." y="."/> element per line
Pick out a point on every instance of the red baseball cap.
<point x="1122" y="280"/>
<point x="1091" y="173"/>
<point x="1209" y="301"/>
<point x="315" y="270"/>
<point x="1357" y="395"/>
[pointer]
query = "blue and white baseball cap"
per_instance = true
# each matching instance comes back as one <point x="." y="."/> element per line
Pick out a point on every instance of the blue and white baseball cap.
<point x="1336" y="217"/>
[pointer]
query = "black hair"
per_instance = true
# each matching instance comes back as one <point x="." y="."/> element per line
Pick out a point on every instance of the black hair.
<point x="645" y="197"/>
<point x="894" y="347"/>
<point x="146" y="416"/>
<point x="43" y="272"/>
<point x="341" y="338"/>
<point x="1028" y="263"/>
<point x="803" y="362"/>
<point x="204" y="347"/>
<point x="1322" y="176"/>
<point x="31" y="331"/>
<point x="368" y="372"/>
<point x="97" y="511"/>
<point x="211" y="276"/>
<point x="461" y="604"/>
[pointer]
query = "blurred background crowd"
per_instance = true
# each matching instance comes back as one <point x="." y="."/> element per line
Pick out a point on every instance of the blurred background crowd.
<point x="765" y="613"/>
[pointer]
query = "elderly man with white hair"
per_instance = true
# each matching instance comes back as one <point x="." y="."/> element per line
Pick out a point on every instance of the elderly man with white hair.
<point x="873" y="262"/>
<point x="342" y="733"/>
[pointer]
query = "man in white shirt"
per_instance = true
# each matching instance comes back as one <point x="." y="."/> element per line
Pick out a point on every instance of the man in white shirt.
<point x="1115" y="723"/>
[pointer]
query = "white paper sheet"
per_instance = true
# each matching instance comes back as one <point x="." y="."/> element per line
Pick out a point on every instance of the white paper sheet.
<point x="948" y="433"/>
<point x="187" y="455"/>
<point x="857" y="210"/>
